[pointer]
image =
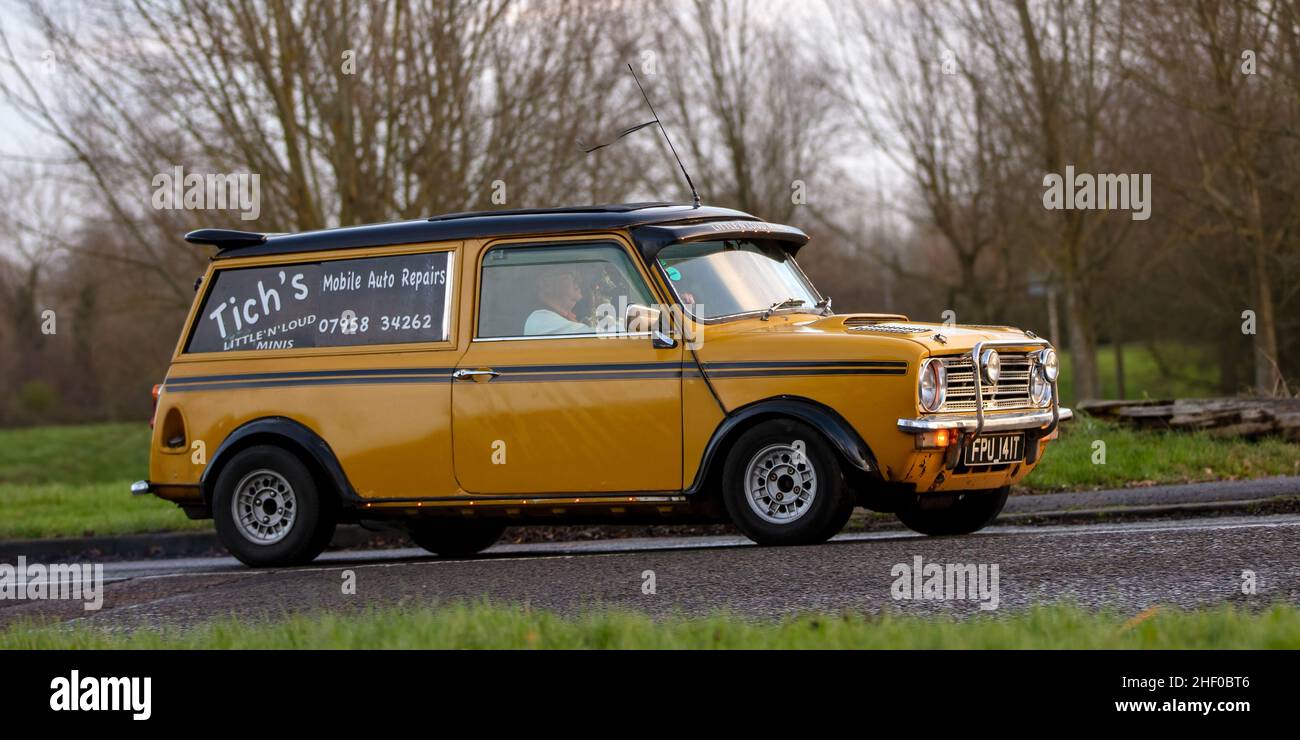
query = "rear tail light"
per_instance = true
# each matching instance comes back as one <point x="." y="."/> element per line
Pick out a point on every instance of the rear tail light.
<point x="153" y="416"/>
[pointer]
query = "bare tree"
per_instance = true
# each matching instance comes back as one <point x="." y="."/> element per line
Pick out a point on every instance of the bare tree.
<point x="752" y="106"/>
<point x="349" y="112"/>
<point x="916" y="91"/>
<point x="1214" y="60"/>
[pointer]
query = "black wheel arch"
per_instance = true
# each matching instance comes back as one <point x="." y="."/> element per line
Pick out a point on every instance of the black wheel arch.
<point x="844" y="439"/>
<point x="293" y="436"/>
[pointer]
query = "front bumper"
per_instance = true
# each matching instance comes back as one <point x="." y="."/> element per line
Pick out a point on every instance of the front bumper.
<point x="1037" y="419"/>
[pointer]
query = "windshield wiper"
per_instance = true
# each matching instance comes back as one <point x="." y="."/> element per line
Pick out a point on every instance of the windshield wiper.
<point x="787" y="303"/>
<point x="825" y="306"/>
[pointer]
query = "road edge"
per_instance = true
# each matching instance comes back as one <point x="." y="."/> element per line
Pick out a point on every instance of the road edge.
<point x="172" y="545"/>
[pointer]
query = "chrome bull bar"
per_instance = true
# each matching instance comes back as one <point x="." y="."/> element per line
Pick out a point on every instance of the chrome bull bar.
<point x="1030" y="419"/>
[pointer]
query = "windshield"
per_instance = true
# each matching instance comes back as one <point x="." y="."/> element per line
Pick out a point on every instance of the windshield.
<point x="729" y="277"/>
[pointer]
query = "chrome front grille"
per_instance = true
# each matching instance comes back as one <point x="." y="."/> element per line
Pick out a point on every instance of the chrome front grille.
<point x="1011" y="392"/>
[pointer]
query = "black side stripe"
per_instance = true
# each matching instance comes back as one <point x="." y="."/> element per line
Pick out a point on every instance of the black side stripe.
<point x="784" y="372"/>
<point x="365" y="380"/>
<point x="358" y="380"/>
<point x="249" y="377"/>
<point x="537" y="373"/>
<point x="536" y="377"/>
<point x="618" y="367"/>
<point x="799" y="363"/>
<point x="312" y="374"/>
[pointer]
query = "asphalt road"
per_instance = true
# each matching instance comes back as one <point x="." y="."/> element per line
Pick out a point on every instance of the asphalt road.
<point x="1129" y="567"/>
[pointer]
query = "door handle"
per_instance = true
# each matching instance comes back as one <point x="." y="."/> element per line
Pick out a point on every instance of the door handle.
<point x="487" y="374"/>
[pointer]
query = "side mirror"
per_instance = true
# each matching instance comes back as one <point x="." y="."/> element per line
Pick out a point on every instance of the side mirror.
<point x="644" y="319"/>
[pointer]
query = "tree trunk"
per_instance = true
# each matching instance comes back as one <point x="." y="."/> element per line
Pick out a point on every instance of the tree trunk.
<point x="1229" y="360"/>
<point x="1083" y="344"/>
<point x="1264" y="341"/>
<point x="83" y="333"/>
<point x="1053" y="317"/>
<point x="971" y="288"/>
<point x="1120" y="391"/>
<point x="26" y="321"/>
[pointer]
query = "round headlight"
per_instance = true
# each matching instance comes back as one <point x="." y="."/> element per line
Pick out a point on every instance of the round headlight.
<point x="1050" y="365"/>
<point x="1040" y="390"/>
<point x="990" y="366"/>
<point x="932" y="386"/>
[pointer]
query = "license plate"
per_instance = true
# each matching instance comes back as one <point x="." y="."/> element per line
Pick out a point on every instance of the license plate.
<point x="995" y="449"/>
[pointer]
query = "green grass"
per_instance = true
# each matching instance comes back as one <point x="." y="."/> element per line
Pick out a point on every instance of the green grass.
<point x="482" y="625"/>
<point x="1140" y="457"/>
<point x="66" y="510"/>
<point x="70" y="481"/>
<point x="1187" y="375"/>
<point x="87" y="453"/>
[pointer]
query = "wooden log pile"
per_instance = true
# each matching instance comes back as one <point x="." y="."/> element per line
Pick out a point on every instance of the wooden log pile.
<point x="1224" y="417"/>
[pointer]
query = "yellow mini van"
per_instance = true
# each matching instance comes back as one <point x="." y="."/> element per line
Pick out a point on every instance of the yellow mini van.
<point x="620" y="364"/>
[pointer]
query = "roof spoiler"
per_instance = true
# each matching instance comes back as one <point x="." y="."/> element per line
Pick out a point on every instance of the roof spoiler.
<point x="225" y="238"/>
<point x="653" y="238"/>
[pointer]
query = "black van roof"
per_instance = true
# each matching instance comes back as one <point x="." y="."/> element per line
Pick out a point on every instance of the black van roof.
<point x="479" y="224"/>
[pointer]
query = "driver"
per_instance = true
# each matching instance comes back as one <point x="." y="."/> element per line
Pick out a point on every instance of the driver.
<point x="558" y="291"/>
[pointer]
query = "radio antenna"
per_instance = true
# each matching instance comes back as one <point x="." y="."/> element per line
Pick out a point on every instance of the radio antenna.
<point x="655" y="122"/>
<point x="695" y="195"/>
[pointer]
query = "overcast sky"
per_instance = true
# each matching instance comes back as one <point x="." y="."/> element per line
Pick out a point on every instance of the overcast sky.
<point x="20" y="138"/>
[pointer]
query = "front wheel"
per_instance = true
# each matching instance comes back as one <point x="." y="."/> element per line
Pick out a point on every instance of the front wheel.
<point x="456" y="538"/>
<point x="970" y="512"/>
<point x="782" y="485"/>
<point x="268" y="510"/>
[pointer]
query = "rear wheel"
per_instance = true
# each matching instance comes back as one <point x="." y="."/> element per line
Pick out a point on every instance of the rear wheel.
<point x="268" y="510"/>
<point x="782" y="485"/>
<point x="456" y="538"/>
<point x="970" y="512"/>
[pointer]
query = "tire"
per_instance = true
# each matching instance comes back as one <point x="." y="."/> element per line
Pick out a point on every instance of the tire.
<point x="283" y="517"/>
<point x="803" y="502"/>
<point x="456" y="538"/>
<point x="971" y="512"/>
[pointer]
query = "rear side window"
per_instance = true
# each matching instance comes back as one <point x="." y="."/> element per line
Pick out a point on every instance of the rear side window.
<point x="396" y="299"/>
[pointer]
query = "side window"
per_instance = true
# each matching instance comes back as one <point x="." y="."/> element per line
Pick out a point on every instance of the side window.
<point x="396" y="299"/>
<point x="563" y="290"/>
